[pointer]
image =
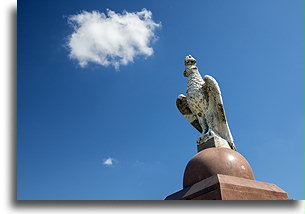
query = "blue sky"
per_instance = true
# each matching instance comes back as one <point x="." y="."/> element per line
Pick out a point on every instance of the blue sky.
<point x="71" y="119"/>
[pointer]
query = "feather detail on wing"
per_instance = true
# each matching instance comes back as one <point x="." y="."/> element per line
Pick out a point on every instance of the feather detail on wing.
<point x="217" y="115"/>
<point x="183" y="107"/>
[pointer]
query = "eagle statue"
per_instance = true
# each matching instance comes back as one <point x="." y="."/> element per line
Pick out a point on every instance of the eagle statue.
<point x="203" y="106"/>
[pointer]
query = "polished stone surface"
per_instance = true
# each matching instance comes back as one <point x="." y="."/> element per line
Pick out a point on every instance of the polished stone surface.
<point x="214" y="161"/>
<point x="225" y="187"/>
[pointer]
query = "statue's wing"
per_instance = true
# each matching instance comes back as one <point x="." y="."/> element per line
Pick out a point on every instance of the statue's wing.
<point x="186" y="112"/>
<point x="216" y="116"/>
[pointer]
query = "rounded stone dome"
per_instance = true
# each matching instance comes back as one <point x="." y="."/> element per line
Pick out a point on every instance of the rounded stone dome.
<point x="214" y="161"/>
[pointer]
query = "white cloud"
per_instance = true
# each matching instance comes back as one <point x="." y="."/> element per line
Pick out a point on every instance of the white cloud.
<point x="112" y="38"/>
<point x="108" y="162"/>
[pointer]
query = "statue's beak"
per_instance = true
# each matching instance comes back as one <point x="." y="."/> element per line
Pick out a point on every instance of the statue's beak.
<point x="184" y="73"/>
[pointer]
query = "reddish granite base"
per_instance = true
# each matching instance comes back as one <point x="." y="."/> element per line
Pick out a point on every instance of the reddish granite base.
<point x="225" y="187"/>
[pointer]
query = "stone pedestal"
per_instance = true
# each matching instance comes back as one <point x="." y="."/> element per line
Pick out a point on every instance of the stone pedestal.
<point x="225" y="187"/>
<point x="223" y="174"/>
<point x="214" y="142"/>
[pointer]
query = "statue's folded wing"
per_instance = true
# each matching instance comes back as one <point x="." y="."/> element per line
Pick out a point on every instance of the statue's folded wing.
<point x="216" y="113"/>
<point x="183" y="107"/>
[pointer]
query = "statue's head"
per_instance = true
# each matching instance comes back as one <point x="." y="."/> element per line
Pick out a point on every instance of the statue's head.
<point x="189" y="60"/>
<point x="190" y="64"/>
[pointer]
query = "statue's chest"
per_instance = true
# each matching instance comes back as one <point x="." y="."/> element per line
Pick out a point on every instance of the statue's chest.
<point x="195" y="99"/>
<point x="194" y="95"/>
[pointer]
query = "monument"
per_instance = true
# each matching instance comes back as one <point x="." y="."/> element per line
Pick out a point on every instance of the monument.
<point x="217" y="171"/>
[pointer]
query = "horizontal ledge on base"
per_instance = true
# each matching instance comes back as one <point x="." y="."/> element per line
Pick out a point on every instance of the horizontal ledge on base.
<point x="225" y="187"/>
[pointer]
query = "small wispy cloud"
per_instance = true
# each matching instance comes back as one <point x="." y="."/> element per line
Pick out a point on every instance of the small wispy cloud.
<point x="109" y="162"/>
<point x="137" y="163"/>
<point x="111" y="39"/>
